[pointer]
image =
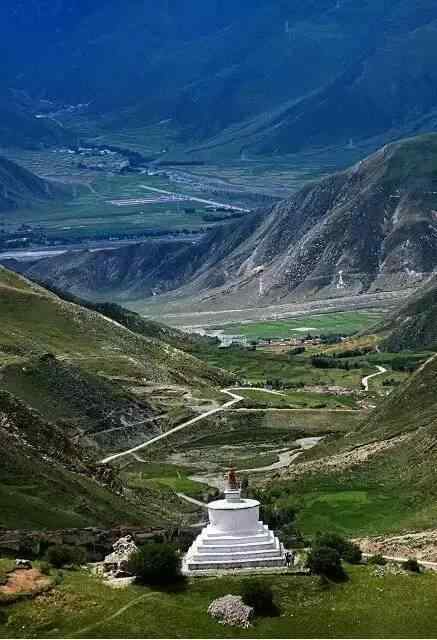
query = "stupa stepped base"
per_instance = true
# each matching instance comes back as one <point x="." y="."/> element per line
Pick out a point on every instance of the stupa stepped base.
<point x="241" y="550"/>
<point x="192" y="567"/>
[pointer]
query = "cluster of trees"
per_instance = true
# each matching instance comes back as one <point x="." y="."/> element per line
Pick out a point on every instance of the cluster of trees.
<point x="352" y="353"/>
<point x="329" y="362"/>
<point x="156" y="563"/>
<point x="328" y="551"/>
<point x="279" y="512"/>
<point x="391" y="382"/>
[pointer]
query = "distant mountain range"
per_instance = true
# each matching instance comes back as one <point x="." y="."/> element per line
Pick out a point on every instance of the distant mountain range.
<point x="259" y="76"/>
<point x="369" y="229"/>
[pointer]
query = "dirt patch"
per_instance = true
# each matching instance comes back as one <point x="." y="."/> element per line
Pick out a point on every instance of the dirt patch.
<point x="342" y="461"/>
<point x="421" y="545"/>
<point x="24" y="581"/>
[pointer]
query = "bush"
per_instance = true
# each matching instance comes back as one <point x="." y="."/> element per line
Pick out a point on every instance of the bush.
<point x="377" y="559"/>
<point x="325" y="561"/>
<point x="62" y="555"/>
<point x="411" y="565"/>
<point x="352" y="553"/>
<point x="258" y="595"/>
<point x="155" y="563"/>
<point x="348" y="551"/>
<point x="45" y="568"/>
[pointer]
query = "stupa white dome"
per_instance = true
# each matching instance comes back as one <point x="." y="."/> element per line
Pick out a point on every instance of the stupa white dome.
<point x="235" y="538"/>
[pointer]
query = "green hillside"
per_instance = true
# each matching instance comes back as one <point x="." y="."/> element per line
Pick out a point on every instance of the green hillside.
<point x="34" y="321"/>
<point x="106" y="382"/>
<point x="381" y="477"/>
<point x="47" y="481"/>
<point x="74" y="381"/>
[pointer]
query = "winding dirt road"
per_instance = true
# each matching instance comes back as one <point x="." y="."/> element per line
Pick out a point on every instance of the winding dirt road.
<point x="224" y="407"/>
<point x="235" y="398"/>
<point x="365" y="380"/>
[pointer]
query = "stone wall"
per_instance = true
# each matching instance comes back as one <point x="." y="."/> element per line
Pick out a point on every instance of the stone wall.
<point x="97" y="542"/>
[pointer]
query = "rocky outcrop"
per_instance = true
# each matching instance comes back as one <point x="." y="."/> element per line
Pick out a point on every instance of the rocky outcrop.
<point x="117" y="562"/>
<point x="421" y="545"/>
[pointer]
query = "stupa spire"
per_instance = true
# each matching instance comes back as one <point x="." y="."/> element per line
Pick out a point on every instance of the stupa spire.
<point x="232" y="486"/>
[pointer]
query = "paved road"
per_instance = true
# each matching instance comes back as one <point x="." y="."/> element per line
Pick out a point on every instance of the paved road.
<point x="194" y="199"/>
<point x="365" y="380"/>
<point x="148" y="443"/>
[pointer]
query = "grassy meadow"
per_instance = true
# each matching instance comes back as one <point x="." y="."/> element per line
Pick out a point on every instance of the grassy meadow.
<point x="81" y="606"/>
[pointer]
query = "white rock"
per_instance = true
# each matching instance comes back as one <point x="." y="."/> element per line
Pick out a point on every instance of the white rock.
<point x="231" y="610"/>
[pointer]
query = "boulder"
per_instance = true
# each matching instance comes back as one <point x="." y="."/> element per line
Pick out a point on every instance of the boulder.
<point x="21" y="563"/>
<point x="231" y="610"/>
<point x="118" y="561"/>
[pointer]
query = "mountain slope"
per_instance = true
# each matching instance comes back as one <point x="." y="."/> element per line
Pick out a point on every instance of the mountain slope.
<point x="371" y="228"/>
<point x="306" y="74"/>
<point x="388" y="92"/>
<point x="19" y="188"/>
<point x="20" y="128"/>
<point x="47" y="481"/>
<point x="75" y="384"/>
<point x="110" y="386"/>
<point x="414" y="326"/>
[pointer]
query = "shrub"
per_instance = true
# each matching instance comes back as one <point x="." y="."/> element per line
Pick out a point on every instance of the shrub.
<point x="325" y="561"/>
<point x="352" y="553"/>
<point x="45" y="568"/>
<point x="411" y="565"/>
<point x="62" y="555"/>
<point x="277" y="515"/>
<point x="155" y="563"/>
<point x="349" y="551"/>
<point x="259" y="595"/>
<point x="184" y="540"/>
<point x="377" y="559"/>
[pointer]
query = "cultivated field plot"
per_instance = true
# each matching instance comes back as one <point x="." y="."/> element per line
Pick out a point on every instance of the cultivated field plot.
<point x="107" y="203"/>
<point x="256" y="367"/>
<point x="117" y="205"/>
<point x="343" y="323"/>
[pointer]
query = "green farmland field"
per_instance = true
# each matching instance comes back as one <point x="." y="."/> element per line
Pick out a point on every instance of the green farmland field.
<point x="344" y="323"/>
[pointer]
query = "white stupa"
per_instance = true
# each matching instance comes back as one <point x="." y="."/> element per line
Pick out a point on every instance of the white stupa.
<point x="235" y="538"/>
